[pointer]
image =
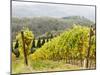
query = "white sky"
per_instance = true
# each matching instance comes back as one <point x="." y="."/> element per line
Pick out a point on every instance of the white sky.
<point x="26" y="9"/>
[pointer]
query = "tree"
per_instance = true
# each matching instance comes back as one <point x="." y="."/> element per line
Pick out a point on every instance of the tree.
<point x="33" y="46"/>
<point x="39" y="43"/>
<point x="16" y="50"/>
<point x="43" y="41"/>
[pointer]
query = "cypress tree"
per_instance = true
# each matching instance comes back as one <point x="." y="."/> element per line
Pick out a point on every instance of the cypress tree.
<point x="47" y="39"/>
<point x="33" y="43"/>
<point x="16" y="51"/>
<point x="51" y="36"/>
<point x="43" y="42"/>
<point x="39" y="43"/>
<point x="33" y="46"/>
<point x="17" y="44"/>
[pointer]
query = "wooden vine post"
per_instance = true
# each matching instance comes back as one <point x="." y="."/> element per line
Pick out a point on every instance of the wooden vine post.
<point x="24" y="50"/>
<point x="88" y="51"/>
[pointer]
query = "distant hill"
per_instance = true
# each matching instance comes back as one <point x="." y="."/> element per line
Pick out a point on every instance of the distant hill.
<point x="79" y="20"/>
<point x="41" y="25"/>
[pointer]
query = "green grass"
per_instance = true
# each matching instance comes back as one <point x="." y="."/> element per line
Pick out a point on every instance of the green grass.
<point x="18" y="66"/>
<point x="48" y="65"/>
<point x="44" y="64"/>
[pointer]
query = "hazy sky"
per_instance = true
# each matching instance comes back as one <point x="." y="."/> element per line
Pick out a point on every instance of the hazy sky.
<point x="30" y="9"/>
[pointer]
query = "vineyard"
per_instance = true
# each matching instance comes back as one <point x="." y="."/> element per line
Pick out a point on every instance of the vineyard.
<point x="72" y="49"/>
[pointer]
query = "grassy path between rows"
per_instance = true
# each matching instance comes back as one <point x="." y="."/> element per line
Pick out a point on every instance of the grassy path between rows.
<point x="18" y="66"/>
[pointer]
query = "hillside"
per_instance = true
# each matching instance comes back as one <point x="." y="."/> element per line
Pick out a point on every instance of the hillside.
<point x="41" y="25"/>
